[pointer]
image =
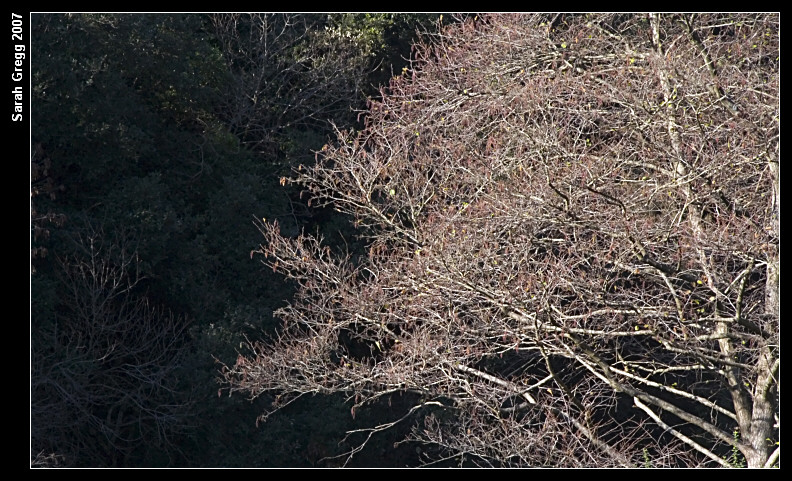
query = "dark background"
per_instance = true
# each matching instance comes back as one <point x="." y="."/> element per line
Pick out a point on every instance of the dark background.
<point x="137" y="144"/>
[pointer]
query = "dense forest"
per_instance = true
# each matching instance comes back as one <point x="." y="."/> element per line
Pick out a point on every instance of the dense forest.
<point x="388" y="240"/>
<point x="157" y="140"/>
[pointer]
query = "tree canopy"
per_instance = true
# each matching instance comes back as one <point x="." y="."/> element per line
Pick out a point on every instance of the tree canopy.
<point x="572" y="256"/>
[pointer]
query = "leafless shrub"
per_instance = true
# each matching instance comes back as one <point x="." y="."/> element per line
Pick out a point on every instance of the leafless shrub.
<point x="104" y="375"/>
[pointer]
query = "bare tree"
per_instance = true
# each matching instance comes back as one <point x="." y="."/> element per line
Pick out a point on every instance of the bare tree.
<point x="104" y="374"/>
<point x="572" y="226"/>
<point x="287" y="71"/>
